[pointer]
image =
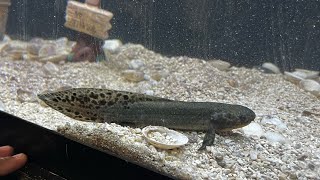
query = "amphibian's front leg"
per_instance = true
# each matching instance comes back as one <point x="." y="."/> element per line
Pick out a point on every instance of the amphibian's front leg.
<point x="214" y="125"/>
<point x="208" y="139"/>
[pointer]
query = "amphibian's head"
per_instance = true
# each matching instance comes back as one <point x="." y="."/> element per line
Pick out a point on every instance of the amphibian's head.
<point x="236" y="116"/>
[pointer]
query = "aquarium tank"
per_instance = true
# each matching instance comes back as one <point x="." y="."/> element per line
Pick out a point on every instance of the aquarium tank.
<point x="207" y="89"/>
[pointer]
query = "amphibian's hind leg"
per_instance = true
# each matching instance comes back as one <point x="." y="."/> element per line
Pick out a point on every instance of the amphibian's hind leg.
<point x="208" y="139"/>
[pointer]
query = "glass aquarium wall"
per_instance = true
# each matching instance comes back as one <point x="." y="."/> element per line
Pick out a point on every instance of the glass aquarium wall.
<point x="245" y="32"/>
<point x="201" y="89"/>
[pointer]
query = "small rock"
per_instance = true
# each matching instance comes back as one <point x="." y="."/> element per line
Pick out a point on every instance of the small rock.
<point x="222" y="163"/>
<point x="229" y="163"/>
<point x="233" y="83"/>
<point x="61" y="42"/>
<point x="270" y="67"/>
<point x="112" y="45"/>
<point x="293" y="176"/>
<point x="221" y="65"/>
<point x="275" y="137"/>
<point x="132" y="75"/>
<point x="310" y="86"/>
<point x="37" y="40"/>
<point x="50" y="68"/>
<point x="253" y="155"/>
<point x="302" y="157"/>
<point x="311" y="166"/>
<point x="2" y="107"/>
<point x="147" y="77"/>
<point x="26" y="96"/>
<point x="6" y="38"/>
<point x="47" y="50"/>
<point x="136" y="64"/>
<point x="294" y="77"/>
<point x="240" y="162"/>
<point x="311" y="175"/>
<point x="308" y="73"/>
<point x="33" y="48"/>
<point x="59" y="58"/>
<point x="219" y="156"/>
<point x="158" y="75"/>
<point x="149" y="92"/>
<point x="253" y="129"/>
<point x="193" y="138"/>
<point x="282" y="176"/>
<point x="275" y="121"/>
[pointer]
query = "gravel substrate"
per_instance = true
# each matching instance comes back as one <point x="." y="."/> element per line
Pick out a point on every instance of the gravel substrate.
<point x="288" y="147"/>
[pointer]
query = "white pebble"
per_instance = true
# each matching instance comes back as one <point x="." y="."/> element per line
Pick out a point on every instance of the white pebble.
<point x="149" y="92"/>
<point x="112" y="45"/>
<point x="310" y="86"/>
<point x="221" y="65"/>
<point x="272" y="67"/>
<point x="309" y="74"/>
<point x="2" y="107"/>
<point x="275" y="121"/>
<point x="136" y="64"/>
<point x="253" y="155"/>
<point x="294" y="77"/>
<point x="50" y="68"/>
<point x="275" y="137"/>
<point x="253" y="129"/>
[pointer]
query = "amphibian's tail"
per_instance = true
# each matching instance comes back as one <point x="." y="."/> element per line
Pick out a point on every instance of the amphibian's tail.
<point x="85" y="104"/>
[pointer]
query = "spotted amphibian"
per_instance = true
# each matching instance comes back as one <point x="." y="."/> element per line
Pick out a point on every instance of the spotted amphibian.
<point x="139" y="110"/>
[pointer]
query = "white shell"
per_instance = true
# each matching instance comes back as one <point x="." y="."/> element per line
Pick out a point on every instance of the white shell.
<point x="164" y="138"/>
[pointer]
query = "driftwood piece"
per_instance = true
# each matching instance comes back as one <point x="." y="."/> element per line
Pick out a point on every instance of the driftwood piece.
<point x="88" y="19"/>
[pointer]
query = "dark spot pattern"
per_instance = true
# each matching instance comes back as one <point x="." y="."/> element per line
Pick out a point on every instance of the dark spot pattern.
<point x="92" y="95"/>
<point x="85" y="103"/>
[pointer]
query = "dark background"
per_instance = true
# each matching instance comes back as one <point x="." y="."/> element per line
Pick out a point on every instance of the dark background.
<point x="243" y="32"/>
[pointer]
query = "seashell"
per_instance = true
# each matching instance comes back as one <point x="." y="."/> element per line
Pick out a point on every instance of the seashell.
<point x="164" y="138"/>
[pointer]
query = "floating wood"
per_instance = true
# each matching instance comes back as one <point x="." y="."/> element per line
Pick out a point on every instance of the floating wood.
<point x="88" y="19"/>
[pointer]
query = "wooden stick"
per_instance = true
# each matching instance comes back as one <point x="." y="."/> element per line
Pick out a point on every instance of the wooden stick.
<point x="88" y="19"/>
